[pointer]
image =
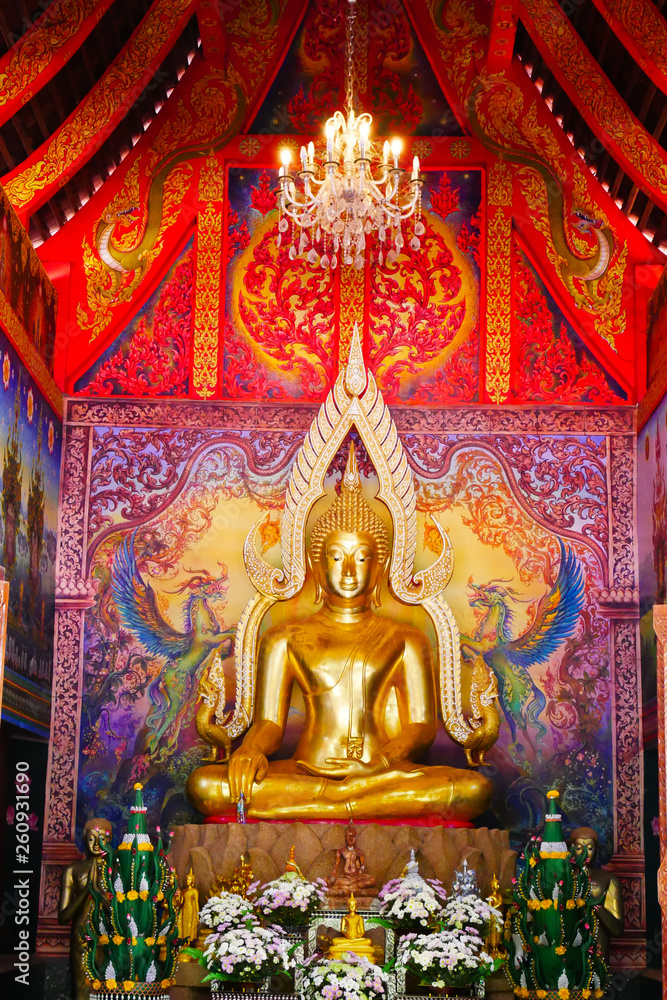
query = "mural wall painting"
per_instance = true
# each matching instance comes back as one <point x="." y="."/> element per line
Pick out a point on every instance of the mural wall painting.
<point x="533" y="500"/>
<point x="30" y="469"/>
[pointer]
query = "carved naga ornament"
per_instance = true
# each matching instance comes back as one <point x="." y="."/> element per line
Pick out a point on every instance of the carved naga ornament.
<point x="353" y="402"/>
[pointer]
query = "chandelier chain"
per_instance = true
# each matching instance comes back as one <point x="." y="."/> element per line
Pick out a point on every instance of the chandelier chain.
<point x="349" y="45"/>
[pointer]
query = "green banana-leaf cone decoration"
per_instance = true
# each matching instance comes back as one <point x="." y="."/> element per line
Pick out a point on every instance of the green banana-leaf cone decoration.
<point x="552" y="924"/>
<point x="132" y="935"/>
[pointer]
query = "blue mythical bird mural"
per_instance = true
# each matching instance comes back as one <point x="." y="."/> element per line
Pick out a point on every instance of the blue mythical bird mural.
<point x="511" y="658"/>
<point x="170" y="692"/>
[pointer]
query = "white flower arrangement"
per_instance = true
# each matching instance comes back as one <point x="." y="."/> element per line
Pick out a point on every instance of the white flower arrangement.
<point x="290" y="900"/>
<point x="470" y="911"/>
<point x="353" y="979"/>
<point x="225" y="910"/>
<point x="445" y="958"/>
<point x="246" y="954"/>
<point x="412" y="905"/>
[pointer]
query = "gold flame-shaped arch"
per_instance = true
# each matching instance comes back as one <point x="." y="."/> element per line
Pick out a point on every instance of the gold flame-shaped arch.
<point x="353" y="402"/>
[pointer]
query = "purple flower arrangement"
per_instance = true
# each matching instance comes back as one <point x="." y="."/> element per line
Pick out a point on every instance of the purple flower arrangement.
<point x="290" y="900"/>
<point x="353" y="979"/>
<point x="412" y="905"/>
<point x="246" y="953"/>
<point x="453" y="958"/>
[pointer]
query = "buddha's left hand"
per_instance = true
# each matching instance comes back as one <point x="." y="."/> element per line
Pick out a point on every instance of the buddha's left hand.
<point x="346" y="767"/>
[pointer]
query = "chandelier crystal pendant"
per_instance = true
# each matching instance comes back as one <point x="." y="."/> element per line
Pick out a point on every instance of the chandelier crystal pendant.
<point x="335" y="209"/>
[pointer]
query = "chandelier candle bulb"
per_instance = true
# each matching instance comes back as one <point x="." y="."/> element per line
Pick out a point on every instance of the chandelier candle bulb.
<point x="363" y="139"/>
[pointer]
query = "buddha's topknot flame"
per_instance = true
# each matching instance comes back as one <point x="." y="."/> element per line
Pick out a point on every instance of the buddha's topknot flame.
<point x="350" y="512"/>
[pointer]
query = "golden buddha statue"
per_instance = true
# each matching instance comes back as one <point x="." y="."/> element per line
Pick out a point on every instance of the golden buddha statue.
<point x="493" y="943"/>
<point x="368" y="682"/>
<point x="352" y="936"/>
<point x="76" y="902"/>
<point x="188" y="915"/>
<point x="239" y="881"/>
<point x="347" y="661"/>
<point x="606" y="890"/>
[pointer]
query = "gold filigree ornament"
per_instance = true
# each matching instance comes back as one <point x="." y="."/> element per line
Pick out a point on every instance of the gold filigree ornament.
<point x="354" y="402"/>
<point x="211" y="180"/>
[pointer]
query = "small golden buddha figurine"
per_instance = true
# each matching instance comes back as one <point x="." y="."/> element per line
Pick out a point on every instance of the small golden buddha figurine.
<point x="353" y="876"/>
<point x="188" y="915"/>
<point x="353" y="938"/>
<point x="75" y="898"/>
<point x="494" y="944"/>
<point x="354" y="757"/>
<point x="606" y="890"/>
<point x="240" y="880"/>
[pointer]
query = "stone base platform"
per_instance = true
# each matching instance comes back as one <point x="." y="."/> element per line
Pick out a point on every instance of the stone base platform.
<point x="214" y="850"/>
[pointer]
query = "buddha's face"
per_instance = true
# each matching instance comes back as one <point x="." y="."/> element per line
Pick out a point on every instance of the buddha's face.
<point x="585" y="847"/>
<point x="93" y="839"/>
<point x="349" y="564"/>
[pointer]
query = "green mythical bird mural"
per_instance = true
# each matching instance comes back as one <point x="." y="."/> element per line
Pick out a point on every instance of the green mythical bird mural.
<point x="511" y="658"/>
<point x="184" y="653"/>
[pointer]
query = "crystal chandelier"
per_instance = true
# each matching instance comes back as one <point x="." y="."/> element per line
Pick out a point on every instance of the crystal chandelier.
<point x="334" y="208"/>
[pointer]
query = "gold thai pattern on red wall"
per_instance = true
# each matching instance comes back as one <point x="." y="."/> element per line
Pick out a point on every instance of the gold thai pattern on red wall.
<point x="424" y="310"/>
<point x="123" y="242"/>
<point x="352" y="312"/>
<point x="280" y="310"/>
<point x="44" y="49"/>
<point x="549" y="360"/>
<point x="94" y="119"/>
<point x="207" y="287"/>
<point x="140" y="213"/>
<point x="596" y="98"/>
<point x="643" y="31"/>
<point x="570" y="225"/>
<point x="498" y="289"/>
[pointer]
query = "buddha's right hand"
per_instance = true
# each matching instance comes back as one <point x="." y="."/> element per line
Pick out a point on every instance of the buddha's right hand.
<point x="246" y="765"/>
